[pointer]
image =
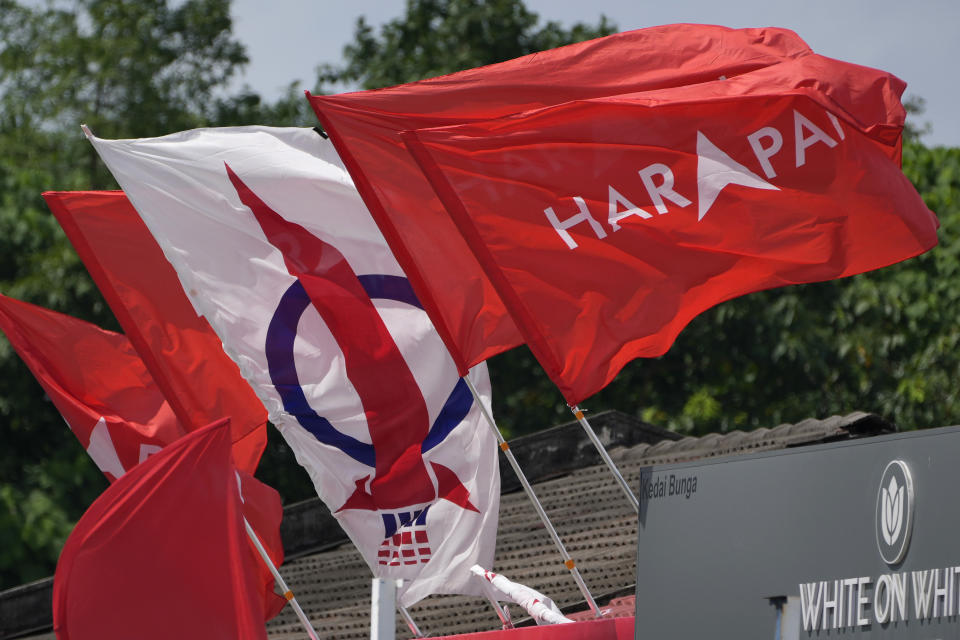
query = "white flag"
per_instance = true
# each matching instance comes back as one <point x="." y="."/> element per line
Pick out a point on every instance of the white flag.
<point x="540" y="607"/>
<point x="274" y="246"/>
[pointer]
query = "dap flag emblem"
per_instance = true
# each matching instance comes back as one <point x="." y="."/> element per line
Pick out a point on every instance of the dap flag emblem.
<point x="274" y="247"/>
<point x="344" y="300"/>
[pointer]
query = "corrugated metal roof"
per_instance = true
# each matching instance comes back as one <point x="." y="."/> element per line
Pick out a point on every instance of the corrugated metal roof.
<point x="587" y="508"/>
<point x="809" y="431"/>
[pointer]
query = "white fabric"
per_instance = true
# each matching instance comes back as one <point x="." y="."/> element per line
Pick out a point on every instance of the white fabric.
<point x="102" y="450"/>
<point x="235" y="278"/>
<point x="538" y="606"/>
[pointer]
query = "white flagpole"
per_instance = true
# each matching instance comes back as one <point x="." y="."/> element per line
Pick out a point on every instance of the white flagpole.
<point x="567" y="560"/>
<point x="606" y="457"/>
<point x="281" y="582"/>
<point x="383" y="603"/>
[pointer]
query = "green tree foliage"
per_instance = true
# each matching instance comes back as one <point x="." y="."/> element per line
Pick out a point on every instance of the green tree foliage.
<point x="436" y="37"/>
<point x="128" y="68"/>
<point x="248" y="107"/>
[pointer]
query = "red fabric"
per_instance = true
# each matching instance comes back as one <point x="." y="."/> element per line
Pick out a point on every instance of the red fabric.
<point x="163" y="553"/>
<point x="365" y="127"/>
<point x="179" y="348"/>
<point x="263" y="509"/>
<point x="92" y="374"/>
<point x="713" y="217"/>
<point x="604" y="629"/>
<point x="396" y="413"/>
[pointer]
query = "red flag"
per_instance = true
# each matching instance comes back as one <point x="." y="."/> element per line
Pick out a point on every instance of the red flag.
<point x="263" y="509"/>
<point x="607" y="225"/>
<point x="365" y="127"/>
<point x="111" y="403"/>
<point x="163" y="553"/>
<point x="178" y="346"/>
<point x="96" y="381"/>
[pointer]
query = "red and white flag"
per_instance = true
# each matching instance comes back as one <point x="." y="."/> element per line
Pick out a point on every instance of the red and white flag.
<point x="275" y="248"/>
<point x="538" y="606"/>
<point x="608" y="224"/>
<point x="163" y="553"/>
<point x="96" y="381"/>
<point x="178" y="347"/>
<point x="109" y="400"/>
<point x="365" y="127"/>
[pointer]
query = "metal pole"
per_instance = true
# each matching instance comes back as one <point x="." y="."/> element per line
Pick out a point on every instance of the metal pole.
<point x="567" y="560"/>
<point x="505" y="621"/>
<point x="383" y="603"/>
<point x="281" y="582"/>
<point x="414" y="629"/>
<point x="606" y="457"/>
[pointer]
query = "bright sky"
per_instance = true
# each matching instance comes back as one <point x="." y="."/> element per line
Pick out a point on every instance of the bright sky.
<point x="917" y="40"/>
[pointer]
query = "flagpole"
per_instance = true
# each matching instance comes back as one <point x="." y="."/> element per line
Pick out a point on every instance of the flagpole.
<point x="606" y="457"/>
<point x="383" y="602"/>
<point x="287" y="593"/>
<point x="501" y="612"/>
<point x="567" y="560"/>
<point x="414" y="629"/>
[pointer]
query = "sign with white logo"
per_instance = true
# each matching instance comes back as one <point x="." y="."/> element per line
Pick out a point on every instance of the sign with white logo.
<point x="853" y="539"/>
<point x="895" y="512"/>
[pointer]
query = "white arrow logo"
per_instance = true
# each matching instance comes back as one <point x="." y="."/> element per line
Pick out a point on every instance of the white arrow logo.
<point x="716" y="170"/>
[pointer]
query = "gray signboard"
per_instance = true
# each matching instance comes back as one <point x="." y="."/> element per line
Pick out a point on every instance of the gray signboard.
<point x="847" y="540"/>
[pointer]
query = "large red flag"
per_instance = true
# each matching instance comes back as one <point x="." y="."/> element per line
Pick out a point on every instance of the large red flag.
<point x="163" y="553"/>
<point x="608" y="224"/>
<point x="178" y="346"/>
<point x="366" y="126"/>
<point x="97" y="382"/>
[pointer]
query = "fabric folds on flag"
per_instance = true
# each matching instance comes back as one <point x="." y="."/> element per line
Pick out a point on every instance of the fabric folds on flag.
<point x="274" y="246"/>
<point x="608" y="224"/>
<point x="365" y="127"/>
<point x="178" y="346"/>
<point x="104" y="392"/>
<point x="96" y="381"/>
<point x="263" y="509"/>
<point x="163" y="553"/>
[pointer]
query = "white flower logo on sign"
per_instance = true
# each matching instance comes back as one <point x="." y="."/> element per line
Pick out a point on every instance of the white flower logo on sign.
<point x="892" y="508"/>
<point x="895" y="512"/>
